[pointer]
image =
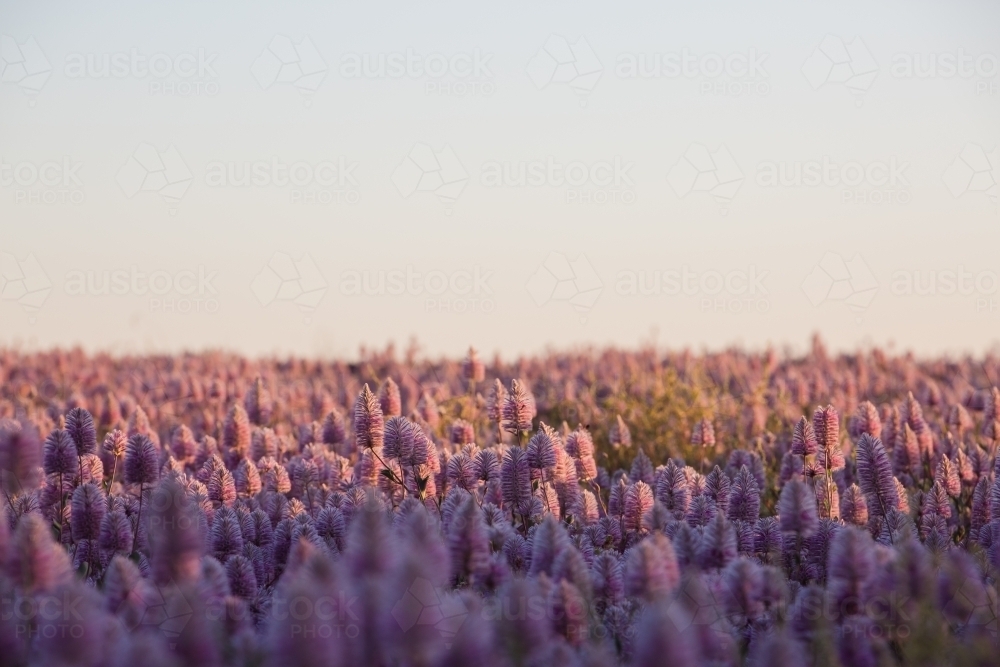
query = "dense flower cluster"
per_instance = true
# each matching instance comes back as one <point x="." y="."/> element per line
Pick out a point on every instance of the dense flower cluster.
<point x="583" y="509"/>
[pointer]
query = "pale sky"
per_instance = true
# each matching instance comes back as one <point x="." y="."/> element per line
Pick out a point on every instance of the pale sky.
<point x="311" y="178"/>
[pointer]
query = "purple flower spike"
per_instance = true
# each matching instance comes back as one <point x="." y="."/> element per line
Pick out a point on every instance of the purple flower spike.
<point x="826" y="424"/>
<point x="389" y="399"/>
<point x="865" y="420"/>
<point x="854" y="506"/>
<point x="60" y="456"/>
<point x="80" y="426"/>
<point x="703" y="434"/>
<point x="619" y="436"/>
<point x="368" y="425"/>
<point x="718" y="544"/>
<point x="236" y="431"/>
<point x="473" y="368"/>
<point x="744" y="497"/>
<point x="398" y="439"/>
<point x="541" y="452"/>
<point x="334" y="431"/>
<point x="651" y="570"/>
<point x="797" y="509"/>
<point x="673" y="491"/>
<point x="804" y="441"/>
<point x="642" y="469"/>
<point x="851" y="570"/>
<point x="638" y="503"/>
<point x="717" y="487"/>
<point x="518" y="408"/>
<point x="875" y="476"/>
<point x="258" y="403"/>
<point x="141" y="460"/>
<point x="516" y="480"/>
<point x="89" y="505"/>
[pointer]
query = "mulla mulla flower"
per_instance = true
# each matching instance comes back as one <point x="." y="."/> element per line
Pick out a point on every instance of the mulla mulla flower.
<point x="701" y="510"/>
<point x="476" y="533"/>
<point x="140" y="469"/>
<point x="651" y="569"/>
<point x="398" y="439"/>
<point x="718" y="545"/>
<point x="642" y="469"/>
<point x="236" y="431"/>
<point x="515" y="476"/>
<point x="744" y="497"/>
<point x="541" y="453"/>
<point x="517" y="410"/>
<point x="258" y="403"/>
<point x="334" y="431"/>
<point x="804" y="441"/>
<point x="60" y="456"/>
<point x="80" y="426"/>
<point x="19" y="455"/>
<point x="89" y="506"/>
<point x="912" y="414"/>
<point x="473" y="368"/>
<point x="468" y="545"/>
<point x="369" y="429"/>
<point x="495" y="402"/>
<point x="182" y="443"/>
<point x="580" y="446"/>
<point x="717" y="487"/>
<point x="865" y="420"/>
<point x="875" y="476"/>
<point x="797" y="510"/>
<point x="462" y="432"/>
<point x="389" y="399"/>
<point x="947" y="476"/>
<point x="851" y="572"/>
<point x="619" y="435"/>
<point x="638" y="503"/>
<point x="673" y="491"/>
<point x="36" y="564"/>
<point x="703" y="434"/>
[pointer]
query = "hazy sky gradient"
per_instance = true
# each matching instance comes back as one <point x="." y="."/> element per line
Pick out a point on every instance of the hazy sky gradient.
<point x="791" y="111"/>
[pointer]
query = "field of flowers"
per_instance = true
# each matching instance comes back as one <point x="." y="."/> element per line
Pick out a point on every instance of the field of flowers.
<point x="587" y="508"/>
